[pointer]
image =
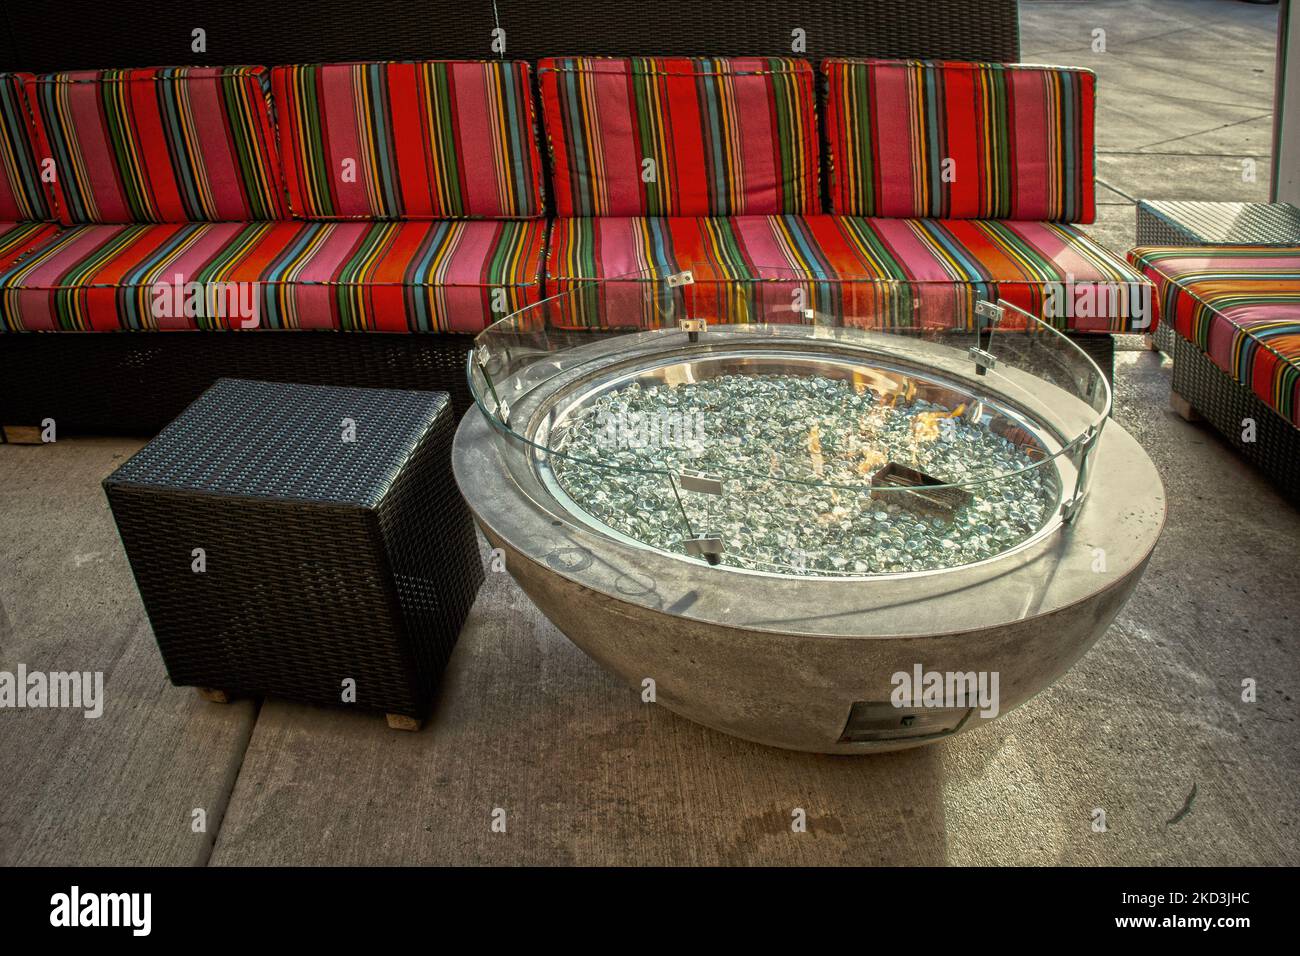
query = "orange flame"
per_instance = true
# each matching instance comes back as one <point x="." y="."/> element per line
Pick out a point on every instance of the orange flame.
<point x="872" y="459"/>
<point x="815" y="450"/>
<point x="925" y="426"/>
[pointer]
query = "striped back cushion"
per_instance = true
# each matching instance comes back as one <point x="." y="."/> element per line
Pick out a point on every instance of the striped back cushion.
<point x="165" y="145"/>
<point x="681" y="137"/>
<point x="430" y="140"/>
<point x="960" y="140"/>
<point x="22" y="196"/>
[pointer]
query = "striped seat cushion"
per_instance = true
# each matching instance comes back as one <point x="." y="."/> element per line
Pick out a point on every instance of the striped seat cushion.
<point x="873" y="271"/>
<point x="429" y="140"/>
<point x="960" y="140"/>
<point x="19" y="238"/>
<point x="191" y="144"/>
<point x="1240" y="305"/>
<point x="449" y="275"/>
<point x="680" y="137"/>
<point x="22" y="196"/>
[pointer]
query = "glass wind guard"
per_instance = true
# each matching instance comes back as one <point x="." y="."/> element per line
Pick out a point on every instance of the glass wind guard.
<point x="794" y="427"/>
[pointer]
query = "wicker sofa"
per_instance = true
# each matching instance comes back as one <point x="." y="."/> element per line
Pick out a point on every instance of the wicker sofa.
<point x="356" y="223"/>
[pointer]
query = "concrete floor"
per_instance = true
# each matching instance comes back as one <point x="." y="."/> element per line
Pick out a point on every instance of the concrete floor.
<point x="1149" y="723"/>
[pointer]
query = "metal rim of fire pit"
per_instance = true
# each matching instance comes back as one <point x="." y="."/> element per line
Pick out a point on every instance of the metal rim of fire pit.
<point x="776" y="360"/>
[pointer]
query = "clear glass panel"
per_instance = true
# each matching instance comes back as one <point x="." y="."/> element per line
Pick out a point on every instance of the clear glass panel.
<point x="791" y="426"/>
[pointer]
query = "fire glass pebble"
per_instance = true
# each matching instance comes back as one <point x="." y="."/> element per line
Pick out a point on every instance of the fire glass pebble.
<point x="796" y="455"/>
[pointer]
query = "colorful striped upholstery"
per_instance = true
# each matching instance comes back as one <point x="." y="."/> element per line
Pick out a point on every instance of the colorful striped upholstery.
<point x="1241" y="306"/>
<point x="877" y="271"/>
<point x="19" y="238"/>
<point x="392" y="276"/>
<point x="184" y="144"/>
<point x="430" y="140"/>
<point x="681" y="137"/>
<point x="960" y="140"/>
<point x="21" y="194"/>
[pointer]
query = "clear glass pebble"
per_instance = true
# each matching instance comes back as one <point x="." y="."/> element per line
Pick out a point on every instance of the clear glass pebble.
<point x="796" y="455"/>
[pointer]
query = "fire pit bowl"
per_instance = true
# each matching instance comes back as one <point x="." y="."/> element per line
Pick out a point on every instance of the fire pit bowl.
<point x="840" y="519"/>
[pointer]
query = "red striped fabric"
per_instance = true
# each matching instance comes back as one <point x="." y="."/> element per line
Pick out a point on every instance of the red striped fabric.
<point x="1241" y="306"/>
<point x="950" y="140"/>
<point x="185" y="144"/>
<point x="423" y="140"/>
<point x="680" y="137"/>
<point x="22" y="194"/>
<point x="369" y="276"/>
<point x="19" y="238"/>
<point x="873" y="272"/>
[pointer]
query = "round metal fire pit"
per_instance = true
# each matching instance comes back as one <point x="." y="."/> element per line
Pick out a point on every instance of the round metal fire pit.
<point x="788" y="566"/>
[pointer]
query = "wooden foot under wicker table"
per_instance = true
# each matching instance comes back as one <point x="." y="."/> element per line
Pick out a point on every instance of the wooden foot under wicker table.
<point x="304" y="542"/>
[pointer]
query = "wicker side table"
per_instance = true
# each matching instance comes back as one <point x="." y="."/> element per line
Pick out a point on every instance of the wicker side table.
<point x="1170" y="223"/>
<point x="305" y="542"/>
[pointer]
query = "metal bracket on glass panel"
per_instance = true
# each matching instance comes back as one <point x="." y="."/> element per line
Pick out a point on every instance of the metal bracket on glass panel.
<point x="693" y="481"/>
<point x="707" y="546"/>
<point x="481" y="359"/>
<point x="692" y="328"/>
<point x="983" y="360"/>
<point x="988" y="316"/>
<point x="1082" y="458"/>
<point x="680" y="278"/>
<point x="700" y="544"/>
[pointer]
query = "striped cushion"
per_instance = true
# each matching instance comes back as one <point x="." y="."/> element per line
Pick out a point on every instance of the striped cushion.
<point x="960" y="140"/>
<point x="873" y="271"/>
<point x="393" y="277"/>
<point x="167" y="145"/>
<point x="19" y="238"/>
<point x="1241" y="306"/>
<point x="680" y="137"/>
<point x="431" y="140"/>
<point x="21" y="194"/>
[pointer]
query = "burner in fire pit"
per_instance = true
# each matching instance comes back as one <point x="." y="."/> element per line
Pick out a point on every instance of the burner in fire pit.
<point x="926" y="493"/>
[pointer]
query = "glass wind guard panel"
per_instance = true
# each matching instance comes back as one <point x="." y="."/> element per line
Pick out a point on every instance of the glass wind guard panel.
<point x="793" y="427"/>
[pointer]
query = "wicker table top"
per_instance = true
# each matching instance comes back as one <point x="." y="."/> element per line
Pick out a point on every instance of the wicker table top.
<point x="306" y="443"/>
<point x="1230" y="222"/>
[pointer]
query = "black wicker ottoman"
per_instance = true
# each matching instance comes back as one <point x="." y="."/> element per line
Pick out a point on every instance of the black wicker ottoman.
<point x="302" y="541"/>
<point x="1195" y="223"/>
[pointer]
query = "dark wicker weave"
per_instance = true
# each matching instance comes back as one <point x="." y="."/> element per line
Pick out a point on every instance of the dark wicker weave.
<point x="1226" y="404"/>
<point x="135" y="383"/>
<point x="1217" y="223"/>
<point x="82" y="35"/>
<point x="1100" y="348"/>
<point x="1212" y="223"/>
<point x="326" y="560"/>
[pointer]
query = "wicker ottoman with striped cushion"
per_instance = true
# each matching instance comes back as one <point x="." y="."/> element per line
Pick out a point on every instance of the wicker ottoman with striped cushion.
<point x="1201" y="223"/>
<point x="304" y="542"/>
<point x="1234" y="312"/>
